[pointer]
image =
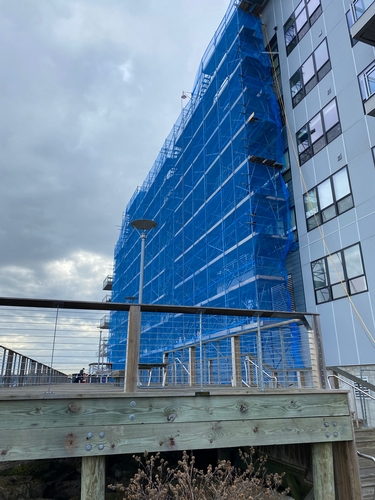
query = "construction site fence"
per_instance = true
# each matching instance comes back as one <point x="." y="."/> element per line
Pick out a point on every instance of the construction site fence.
<point x="209" y="347"/>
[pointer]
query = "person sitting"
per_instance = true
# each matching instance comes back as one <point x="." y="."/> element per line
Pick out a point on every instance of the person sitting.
<point x="81" y="376"/>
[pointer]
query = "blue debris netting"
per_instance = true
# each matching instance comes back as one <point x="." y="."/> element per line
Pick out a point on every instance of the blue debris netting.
<point x="222" y="211"/>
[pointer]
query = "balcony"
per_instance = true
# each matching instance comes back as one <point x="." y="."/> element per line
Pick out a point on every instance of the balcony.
<point x="370" y="106"/>
<point x="367" y="85"/>
<point x="253" y="6"/>
<point x="104" y="322"/>
<point x="107" y="283"/>
<point x="363" y="17"/>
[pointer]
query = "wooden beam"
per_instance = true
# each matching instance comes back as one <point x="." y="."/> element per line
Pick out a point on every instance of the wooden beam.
<point x="172" y="435"/>
<point x="93" y="478"/>
<point x="323" y="474"/>
<point x="317" y="355"/>
<point x="192" y="366"/>
<point x="161" y="308"/>
<point x="236" y="361"/>
<point x="77" y="412"/>
<point x="132" y="349"/>
<point x="52" y="427"/>
<point x="85" y="411"/>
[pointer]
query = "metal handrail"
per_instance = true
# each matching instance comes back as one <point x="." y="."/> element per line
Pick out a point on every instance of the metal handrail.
<point x="249" y="360"/>
<point x="183" y="366"/>
<point x="354" y="389"/>
<point x="369" y="457"/>
<point x="363" y="455"/>
<point x="351" y="385"/>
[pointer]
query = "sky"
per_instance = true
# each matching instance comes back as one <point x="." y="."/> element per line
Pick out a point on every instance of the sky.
<point x="88" y="93"/>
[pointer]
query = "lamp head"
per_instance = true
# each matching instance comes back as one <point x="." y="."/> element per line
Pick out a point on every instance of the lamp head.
<point x="143" y="224"/>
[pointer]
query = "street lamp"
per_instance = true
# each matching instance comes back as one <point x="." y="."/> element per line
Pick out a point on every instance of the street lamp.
<point x="142" y="226"/>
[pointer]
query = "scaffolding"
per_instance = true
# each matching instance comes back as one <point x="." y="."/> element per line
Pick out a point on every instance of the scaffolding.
<point x="218" y="197"/>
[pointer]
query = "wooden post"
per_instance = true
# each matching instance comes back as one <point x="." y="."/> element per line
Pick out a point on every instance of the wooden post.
<point x="323" y="473"/>
<point x="317" y="355"/>
<point x="347" y="476"/>
<point x="260" y="378"/>
<point x="192" y="366"/>
<point x="166" y="371"/>
<point x="93" y="478"/>
<point x="132" y="349"/>
<point x="236" y="362"/>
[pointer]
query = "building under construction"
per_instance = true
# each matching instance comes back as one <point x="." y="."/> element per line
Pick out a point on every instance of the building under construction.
<point x="226" y="231"/>
<point x="216" y="193"/>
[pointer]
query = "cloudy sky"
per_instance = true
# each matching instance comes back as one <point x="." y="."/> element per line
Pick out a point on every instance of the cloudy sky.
<point x="89" y="91"/>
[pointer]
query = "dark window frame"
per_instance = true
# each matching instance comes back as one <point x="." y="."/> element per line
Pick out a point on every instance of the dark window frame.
<point x="318" y="75"/>
<point x="273" y="50"/>
<point x="350" y="22"/>
<point x="286" y="170"/>
<point x="320" y="216"/>
<point x="304" y="135"/>
<point x="326" y="292"/>
<point x="364" y="82"/>
<point x="293" y="223"/>
<point x="292" y="34"/>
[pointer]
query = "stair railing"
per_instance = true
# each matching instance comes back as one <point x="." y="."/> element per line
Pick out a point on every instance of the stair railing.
<point x="369" y="457"/>
<point x="354" y="389"/>
<point x="248" y="361"/>
<point x="175" y="361"/>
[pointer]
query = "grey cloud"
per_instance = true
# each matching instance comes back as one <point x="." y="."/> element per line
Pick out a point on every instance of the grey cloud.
<point x="90" y="90"/>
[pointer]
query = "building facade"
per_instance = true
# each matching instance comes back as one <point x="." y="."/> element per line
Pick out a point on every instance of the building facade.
<point x="263" y="193"/>
<point x="325" y="75"/>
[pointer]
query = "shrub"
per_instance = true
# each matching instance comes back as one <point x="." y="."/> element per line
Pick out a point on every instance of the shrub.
<point x="155" y="480"/>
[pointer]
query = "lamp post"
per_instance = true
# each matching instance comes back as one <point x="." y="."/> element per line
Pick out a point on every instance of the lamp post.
<point x="134" y="320"/>
<point x="142" y="226"/>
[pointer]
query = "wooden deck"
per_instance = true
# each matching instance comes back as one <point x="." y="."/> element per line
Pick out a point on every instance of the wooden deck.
<point x="38" y="425"/>
<point x="94" y="421"/>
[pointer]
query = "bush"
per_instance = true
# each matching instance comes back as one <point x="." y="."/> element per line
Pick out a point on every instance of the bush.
<point x="155" y="480"/>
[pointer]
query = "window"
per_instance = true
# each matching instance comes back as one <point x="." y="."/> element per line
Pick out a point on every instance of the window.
<point x="350" y="20"/>
<point x="293" y="223"/>
<point x="320" y="131"/>
<point x="286" y="171"/>
<point x="310" y="73"/>
<point x="273" y="50"/>
<point x="359" y="7"/>
<point x="280" y="100"/>
<point x="329" y="199"/>
<point x="299" y="23"/>
<point x="363" y="392"/>
<point x="341" y="268"/>
<point x="367" y="81"/>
